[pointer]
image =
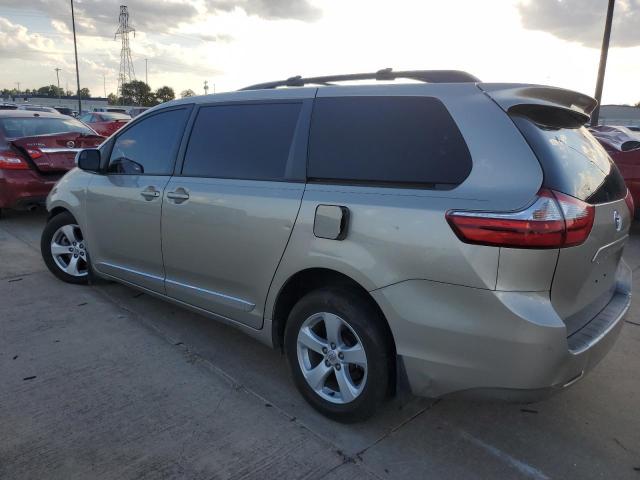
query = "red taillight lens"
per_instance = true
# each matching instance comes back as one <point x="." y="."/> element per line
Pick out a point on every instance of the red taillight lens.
<point x="12" y="161"/>
<point x="578" y="217"/>
<point x="554" y="220"/>
<point x="630" y="203"/>
<point x="34" y="153"/>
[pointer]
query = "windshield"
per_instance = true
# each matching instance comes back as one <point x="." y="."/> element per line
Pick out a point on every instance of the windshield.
<point x="114" y="116"/>
<point x="33" y="126"/>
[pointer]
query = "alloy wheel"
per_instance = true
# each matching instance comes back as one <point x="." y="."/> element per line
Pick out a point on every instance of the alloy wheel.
<point x="332" y="358"/>
<point x="69" y="251"/>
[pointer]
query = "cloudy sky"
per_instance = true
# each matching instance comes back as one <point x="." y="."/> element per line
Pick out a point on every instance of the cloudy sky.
<point x="233" y="43"/>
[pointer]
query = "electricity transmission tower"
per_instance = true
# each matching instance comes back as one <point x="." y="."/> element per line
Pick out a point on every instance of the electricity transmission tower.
<point x="127" y="73"/>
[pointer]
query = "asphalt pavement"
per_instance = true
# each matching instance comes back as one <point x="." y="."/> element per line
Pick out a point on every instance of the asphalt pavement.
<point x="105" y="382"/>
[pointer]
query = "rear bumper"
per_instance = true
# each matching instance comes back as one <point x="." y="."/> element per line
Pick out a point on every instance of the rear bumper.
<point x="24" y="188"/>
<point x="481" y="343"/>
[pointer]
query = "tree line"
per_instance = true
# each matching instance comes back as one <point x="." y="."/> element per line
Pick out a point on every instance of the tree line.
<point x="47" y="91"/>
<point x="136" y="92"/>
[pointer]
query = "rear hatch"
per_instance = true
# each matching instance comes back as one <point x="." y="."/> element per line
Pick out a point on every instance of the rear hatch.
<point x="56" y="152"/>
<point x="574" y="163"/>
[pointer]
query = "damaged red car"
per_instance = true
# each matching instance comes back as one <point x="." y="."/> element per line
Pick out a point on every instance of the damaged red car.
<point x="36" y="150"/>
<point x="105" y="123"/>
<point x="623" y="146"/>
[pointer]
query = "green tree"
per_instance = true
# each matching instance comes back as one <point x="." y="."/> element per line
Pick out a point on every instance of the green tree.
<point x="165" y="94"/>
<point x="85" y="93"/>
<point x="187" y="93"/>
<point x="137" y="93"/>
<point x="49" y="91"/>
<point x="112" y="99"/>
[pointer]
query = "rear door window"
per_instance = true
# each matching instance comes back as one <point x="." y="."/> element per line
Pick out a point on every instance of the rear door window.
<point x="244" y="141"/>
<point x="573" y="161"/>
<point x="411" y="141"/>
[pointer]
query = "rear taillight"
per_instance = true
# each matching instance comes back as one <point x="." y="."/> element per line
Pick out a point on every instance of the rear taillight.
<point x="553" y="220"/>
<point x="630" y="203"/>
<point x="10" y="160"/>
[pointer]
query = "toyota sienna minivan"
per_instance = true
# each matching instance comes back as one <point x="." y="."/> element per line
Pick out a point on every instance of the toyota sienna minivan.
<point x="443" y="235"/>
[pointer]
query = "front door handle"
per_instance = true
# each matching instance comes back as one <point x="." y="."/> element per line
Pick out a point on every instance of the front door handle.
<point x="150" y="193"/>
<point x="179" y="195"/>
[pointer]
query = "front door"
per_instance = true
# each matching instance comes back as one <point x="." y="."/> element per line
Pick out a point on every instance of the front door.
<point x="227" y="218"/>
<point x="124" y="205"/>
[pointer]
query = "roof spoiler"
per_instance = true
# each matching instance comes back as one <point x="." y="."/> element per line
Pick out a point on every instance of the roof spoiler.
<point x="510" y="95"/>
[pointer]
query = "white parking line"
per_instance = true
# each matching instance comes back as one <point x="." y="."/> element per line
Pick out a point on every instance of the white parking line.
<point x="522" y="467"/>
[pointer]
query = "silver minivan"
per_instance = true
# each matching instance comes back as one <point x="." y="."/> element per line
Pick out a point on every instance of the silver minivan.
<point x="442" y="235"/>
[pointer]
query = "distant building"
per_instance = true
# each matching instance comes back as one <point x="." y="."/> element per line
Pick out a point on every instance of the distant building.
<point x="624" y="115"/>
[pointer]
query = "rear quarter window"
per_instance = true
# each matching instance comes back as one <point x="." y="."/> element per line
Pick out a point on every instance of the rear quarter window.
<point x="412" y="141"/>
<point x="573" y="161"/>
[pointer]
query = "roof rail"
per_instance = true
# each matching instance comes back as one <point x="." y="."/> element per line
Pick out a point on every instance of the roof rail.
<point x="429" y="76"/>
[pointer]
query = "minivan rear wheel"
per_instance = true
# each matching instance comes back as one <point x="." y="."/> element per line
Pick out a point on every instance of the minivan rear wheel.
<point x="338" y="353"/>
<point x="64" y="251"/>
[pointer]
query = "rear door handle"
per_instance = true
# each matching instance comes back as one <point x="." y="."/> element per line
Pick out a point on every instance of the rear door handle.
<point x="179" y="195"/>
<point x="150" y="193"/>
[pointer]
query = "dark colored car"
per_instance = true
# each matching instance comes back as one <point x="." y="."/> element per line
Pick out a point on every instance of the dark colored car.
<point x="36" y="149"/>
<point x="623" y="146"/>
<point x="105" y="123"/>
<point x="64" y="110"/>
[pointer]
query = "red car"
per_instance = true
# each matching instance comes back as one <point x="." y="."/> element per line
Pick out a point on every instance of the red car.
<point x="36" y="149"/>
<point x="623" y="145"/>
<point x="105" y="123"/>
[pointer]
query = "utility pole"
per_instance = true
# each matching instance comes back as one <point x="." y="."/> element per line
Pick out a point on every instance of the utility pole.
<point x="75" y="48"/>
<point x="146" y="73"/>
<point x="104" y="84"/>
<point x="18" y="84"/>
<point x="206" y="87"/>
<point x="595" y="116"/>
<point x="58" y="77"/>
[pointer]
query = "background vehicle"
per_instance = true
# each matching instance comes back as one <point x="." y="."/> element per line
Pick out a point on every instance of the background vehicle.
<point x="64" y="110"/>
<point x="450" y="235"/>
<point x="37" y="108"/>
<point x="110" y="109"/>
<point x="134" y="112"/>
<point x="623" y="145"/>
<point x="105" y="123"/>
<point x="36" y="149"/>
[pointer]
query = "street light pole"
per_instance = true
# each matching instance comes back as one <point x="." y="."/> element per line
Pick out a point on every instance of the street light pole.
<point x="75" y="48"/>
<point x="603" y="62"/>
<point x="146" y="73"/>
<point x="58" y="77"/>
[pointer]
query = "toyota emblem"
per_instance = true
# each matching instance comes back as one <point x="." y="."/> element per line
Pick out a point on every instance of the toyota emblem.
<point x="71" y="144"/>
<point x="617" y="220"/>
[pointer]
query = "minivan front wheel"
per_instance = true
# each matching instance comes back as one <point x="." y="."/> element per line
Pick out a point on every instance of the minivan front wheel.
<point x="64" y="250"/>
<point x="338" y="353"/>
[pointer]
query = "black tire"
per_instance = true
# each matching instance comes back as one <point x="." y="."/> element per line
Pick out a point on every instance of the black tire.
<point x="365" y="320"/>
<point x="49" y="231"/>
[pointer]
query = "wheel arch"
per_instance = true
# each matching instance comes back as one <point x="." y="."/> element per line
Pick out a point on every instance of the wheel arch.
<point x="307" y="280"/>
<point x="57" y="211"/>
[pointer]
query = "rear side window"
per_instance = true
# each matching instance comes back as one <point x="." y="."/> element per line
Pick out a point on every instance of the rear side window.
<point x="31" y="126"/>
<point x="249" y="141"/>
<point x="387" y="140"/>
<point x="573" y="161"/>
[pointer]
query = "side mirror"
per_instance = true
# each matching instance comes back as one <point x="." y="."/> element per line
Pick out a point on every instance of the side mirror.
<point x="89" y="160"/>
